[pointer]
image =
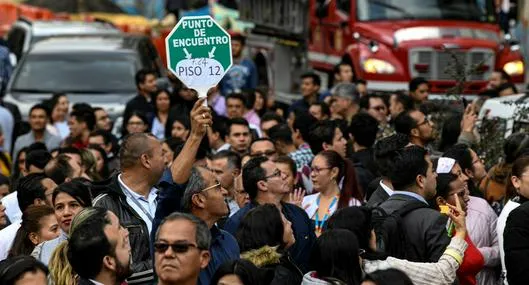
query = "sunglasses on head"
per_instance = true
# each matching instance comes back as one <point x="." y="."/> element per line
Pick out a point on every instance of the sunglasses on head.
<point x="161" y="247"/>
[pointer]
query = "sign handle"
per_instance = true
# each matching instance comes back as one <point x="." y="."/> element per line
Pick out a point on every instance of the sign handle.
<point x="203" y="93"/>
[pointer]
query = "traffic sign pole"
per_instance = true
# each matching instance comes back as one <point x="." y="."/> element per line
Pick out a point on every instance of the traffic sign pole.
<point x="199" y="52"/>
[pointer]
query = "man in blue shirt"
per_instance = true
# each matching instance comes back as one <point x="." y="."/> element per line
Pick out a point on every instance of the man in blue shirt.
<point x="196" y="190"/>
<point x="243" y="73"/>
<point x="205" y="198"/>
<point x="266" y="184"/>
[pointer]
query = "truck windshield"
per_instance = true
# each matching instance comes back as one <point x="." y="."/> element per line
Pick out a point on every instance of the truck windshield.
<point x="94" y="73"/>
<point x="466" y="10"/>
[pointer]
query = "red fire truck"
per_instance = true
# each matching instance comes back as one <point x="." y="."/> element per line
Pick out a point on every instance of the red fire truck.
<point x="388" y="42"/>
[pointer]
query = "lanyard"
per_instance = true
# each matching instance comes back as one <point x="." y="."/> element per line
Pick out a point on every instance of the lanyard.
<point x="126" y="191"/>
<point x="317" y="223"/>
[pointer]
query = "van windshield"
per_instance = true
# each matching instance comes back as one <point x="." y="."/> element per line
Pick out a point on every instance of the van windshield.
<point x="95" y="73"/>
<point x="465" y="10"/>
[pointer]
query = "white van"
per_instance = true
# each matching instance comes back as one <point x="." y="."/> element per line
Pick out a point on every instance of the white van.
<point x="510" y="113"/>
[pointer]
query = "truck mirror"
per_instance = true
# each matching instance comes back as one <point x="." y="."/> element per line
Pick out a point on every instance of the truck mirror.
<point x="322" y="8"/>
<point x="12" y="59"/>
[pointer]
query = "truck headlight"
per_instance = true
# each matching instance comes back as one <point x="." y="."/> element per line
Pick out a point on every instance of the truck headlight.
<point x="373" y="65"/>
<point x="514" y="67"/>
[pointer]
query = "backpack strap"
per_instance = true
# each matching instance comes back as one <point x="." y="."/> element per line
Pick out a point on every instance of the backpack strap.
<point x="410" y="207"/>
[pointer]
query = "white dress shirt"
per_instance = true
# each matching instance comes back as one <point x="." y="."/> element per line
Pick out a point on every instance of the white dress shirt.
<point x="142" y="205"/>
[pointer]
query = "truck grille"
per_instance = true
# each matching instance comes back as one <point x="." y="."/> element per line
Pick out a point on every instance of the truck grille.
<point x="440" y="65"/>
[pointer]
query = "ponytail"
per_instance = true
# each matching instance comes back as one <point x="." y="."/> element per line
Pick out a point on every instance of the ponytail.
<point x="31" y="223"/>
<point x="21" y="245"/>
<point x="351" y="188"/>
<point x="60" y="269"/>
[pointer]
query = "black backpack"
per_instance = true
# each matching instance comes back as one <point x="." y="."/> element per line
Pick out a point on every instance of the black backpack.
<point x="389" y="231"/>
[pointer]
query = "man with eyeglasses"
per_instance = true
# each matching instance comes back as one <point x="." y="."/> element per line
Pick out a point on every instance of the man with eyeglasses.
<point x="181" y="249"/>
<point x="263" y="147"/>
<point x="375" y="106"/>
<point x="266" y="184"/>
<point x="417" y="126"/>
<point x="205" y="198"/>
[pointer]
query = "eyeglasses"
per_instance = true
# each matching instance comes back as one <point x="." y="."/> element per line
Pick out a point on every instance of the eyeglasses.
<point x="379" y="108"/>
<point x="161" y="247"/>
<point x="211" y="187"/>
<point x="317" y="170"/>
<point x="267" y="153"/>
<point x="426" y="121"/>
<point x="276" y="173"/>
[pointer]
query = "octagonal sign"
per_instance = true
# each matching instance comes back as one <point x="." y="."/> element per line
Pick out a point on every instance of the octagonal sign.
<point x="198" y="52"/>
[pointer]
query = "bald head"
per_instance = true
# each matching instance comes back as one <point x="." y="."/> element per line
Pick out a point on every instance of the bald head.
<point x="133" y="147"/>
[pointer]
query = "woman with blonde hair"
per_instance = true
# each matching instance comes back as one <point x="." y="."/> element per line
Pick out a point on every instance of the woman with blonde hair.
<point x="61" y="271"/>
<point x="68" y="200"/>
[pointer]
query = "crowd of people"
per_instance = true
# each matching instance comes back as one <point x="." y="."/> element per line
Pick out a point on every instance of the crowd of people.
<point x="341" y="187"/>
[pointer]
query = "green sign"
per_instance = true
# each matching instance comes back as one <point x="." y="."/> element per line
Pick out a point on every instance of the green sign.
<point x="198" y="52"/>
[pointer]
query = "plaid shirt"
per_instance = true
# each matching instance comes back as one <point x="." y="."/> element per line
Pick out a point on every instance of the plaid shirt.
<point x="385" y="131"/>
<point x="303" y="156"/>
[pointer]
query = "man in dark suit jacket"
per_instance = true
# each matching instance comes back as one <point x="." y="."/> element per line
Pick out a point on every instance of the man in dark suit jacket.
<point x="384" y="152"/>
<point x="424" y="228"/>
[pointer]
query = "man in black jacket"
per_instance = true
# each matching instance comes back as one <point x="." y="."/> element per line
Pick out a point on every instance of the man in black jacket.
<point x="132" y="197"/>
<point x="424" y="228"/>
